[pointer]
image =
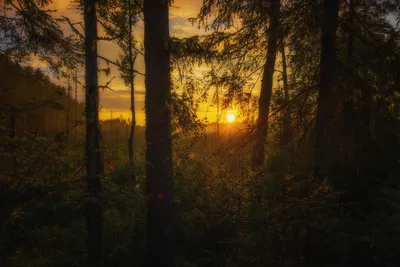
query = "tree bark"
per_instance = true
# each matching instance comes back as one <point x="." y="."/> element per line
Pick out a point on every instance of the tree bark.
<point x="158" y="134"/>
<point x="68" y="109"/>
<point x="366" y="132"/>
<point x="264" y="102"/>
<point x="76" y="109"/>
<point x="11" y="147"/>
<point x="93" y="156"/>
<point x="132" y="87"/>
<point x="326" y="98"/>
<point x="287" y="131"/>
<point x="348" y="105"/>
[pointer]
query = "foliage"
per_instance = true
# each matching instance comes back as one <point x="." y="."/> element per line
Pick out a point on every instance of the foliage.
<point x="225" y="214"/>
<point x="29" y="28"/>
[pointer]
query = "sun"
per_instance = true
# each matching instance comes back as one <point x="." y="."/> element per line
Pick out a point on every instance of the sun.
<point x="230" y="117"/>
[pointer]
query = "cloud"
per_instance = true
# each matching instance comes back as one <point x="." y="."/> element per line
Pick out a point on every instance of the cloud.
<point x="185" y="8"/>
<point x="181" y="27"/>
<point x="120" y="99"/>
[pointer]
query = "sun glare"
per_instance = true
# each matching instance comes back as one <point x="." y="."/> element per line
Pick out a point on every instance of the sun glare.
<point x="230" y="117"/>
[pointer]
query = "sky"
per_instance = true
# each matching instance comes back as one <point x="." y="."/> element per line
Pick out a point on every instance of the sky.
<point x="116" y="103"/>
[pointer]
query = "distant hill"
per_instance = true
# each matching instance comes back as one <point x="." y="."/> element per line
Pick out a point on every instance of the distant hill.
<point x="35" y="104"/>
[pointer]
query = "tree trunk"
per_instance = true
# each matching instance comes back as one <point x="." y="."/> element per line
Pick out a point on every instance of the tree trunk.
<point x="132" y="85"/>
<point x="93" y="156"/>
<point x="158" y="134"/>
<point x="326" y="103"/>
<point x="67" y="119"/>
<point x="264" y="102"/>
<point x="12" y="145"/>
<point x="366" y="132"/>
<point x="348" y="105"/>
<point x="287" y="131"/>
<point x="76" y="109"/>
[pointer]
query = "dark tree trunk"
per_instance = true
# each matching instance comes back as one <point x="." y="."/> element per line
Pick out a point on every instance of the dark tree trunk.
<point x="287" y="131"/>
<point x="348" y="105"/>
<point x="264" y="101"/>
<point x="326" y="98"/>
<point x="93" y="156"/>
<point x="366" y="132"/>
<point x="158" y="134"/>
<point x="132" y="85"/>
<point x="13" y="130"/>
<point x="68" y="110"/>
<point x="76" y="109"/>
<point x="11" y="147"/>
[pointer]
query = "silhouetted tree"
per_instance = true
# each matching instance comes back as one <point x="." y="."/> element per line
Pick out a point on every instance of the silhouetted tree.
<point x="158" y="134"/>
<point x="287" y="131"/>
<point x="119" y="18"/>
<point x="264" y="102"/>
<point x="326" y="97"/>
<point x="131" y="61"/>
<point x="28" y="27"/>
<point x="93" y="155"/>
<point x="249" y="49"/>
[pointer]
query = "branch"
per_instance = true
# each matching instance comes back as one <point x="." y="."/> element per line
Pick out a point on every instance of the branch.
<point x="137" y="50"/>
<point x="139" y="6"/>
<point x="73" y="27"/>
<point x="107" y="85"/>
<point x="118" y="36"/>
<point x="119" y="66"/>
<point x="309" y="124"/>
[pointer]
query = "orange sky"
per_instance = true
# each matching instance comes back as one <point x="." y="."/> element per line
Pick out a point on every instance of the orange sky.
<point x="118" y="100"/>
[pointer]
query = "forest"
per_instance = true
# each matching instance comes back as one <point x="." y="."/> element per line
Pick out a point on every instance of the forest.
<point x="196" y="133"/>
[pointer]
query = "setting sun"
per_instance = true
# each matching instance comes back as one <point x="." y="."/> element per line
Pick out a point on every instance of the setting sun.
<point x="230" y="117"/>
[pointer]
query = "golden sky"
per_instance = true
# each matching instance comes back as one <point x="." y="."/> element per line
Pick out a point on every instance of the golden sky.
<point x="117" y="102"/>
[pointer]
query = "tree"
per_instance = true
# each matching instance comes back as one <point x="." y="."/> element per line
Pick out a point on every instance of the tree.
<point x="28" y="28"/>
<point x="131" y="60"/>
<point x="158" y="134"/>
<point x="119" y="18"/>
<point x="348" y="102"/>
<point x="326" y="97"/>
<point x="93" y="156"/>
<point x="264" y="102"/>
<point x="287" y="131"/>
<point x="246" y="37"/>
